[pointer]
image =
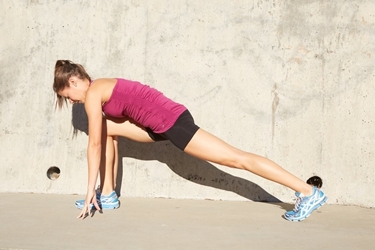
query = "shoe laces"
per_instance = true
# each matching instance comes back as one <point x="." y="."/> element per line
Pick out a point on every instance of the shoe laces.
<point x="298" y="203"/>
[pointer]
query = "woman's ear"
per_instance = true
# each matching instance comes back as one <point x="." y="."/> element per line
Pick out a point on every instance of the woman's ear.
<point x="73" y="81"/>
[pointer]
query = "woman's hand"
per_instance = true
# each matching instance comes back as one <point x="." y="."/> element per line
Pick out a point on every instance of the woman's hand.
<point x="90" y="198"/>
<point x="95" y="95"/>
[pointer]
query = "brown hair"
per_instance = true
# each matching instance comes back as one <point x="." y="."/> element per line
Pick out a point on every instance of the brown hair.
<point x="64" y="69"/>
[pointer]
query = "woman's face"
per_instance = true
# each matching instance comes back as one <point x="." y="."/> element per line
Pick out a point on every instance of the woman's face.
<point x="76" y="92"/>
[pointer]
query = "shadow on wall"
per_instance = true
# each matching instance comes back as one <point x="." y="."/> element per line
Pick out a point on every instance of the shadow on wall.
<point x="184" y="165"/>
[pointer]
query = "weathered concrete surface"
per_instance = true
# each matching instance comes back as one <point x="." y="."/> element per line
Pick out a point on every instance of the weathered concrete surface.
<point x="290" y="80"/>
<point x="35" y="221"/>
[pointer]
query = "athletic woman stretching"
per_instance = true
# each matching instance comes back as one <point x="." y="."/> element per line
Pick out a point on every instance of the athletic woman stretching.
<point x="148" y="115"/>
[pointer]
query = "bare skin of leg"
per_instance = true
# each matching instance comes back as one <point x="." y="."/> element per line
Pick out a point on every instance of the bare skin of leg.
<point x="127" y="129"/>
<point x="109" y="164"/>
<point x="115" y="162"/>
<point x="208" y="147"/>
<point x="108" y="167"/>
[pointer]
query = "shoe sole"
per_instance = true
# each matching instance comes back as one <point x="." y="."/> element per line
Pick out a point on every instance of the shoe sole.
<point x="110" y="206"/>
<point x="105" y="207"/>
<point x="312" y="210"/>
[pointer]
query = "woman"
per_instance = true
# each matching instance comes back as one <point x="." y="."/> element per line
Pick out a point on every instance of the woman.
<point x="150" y="116"/>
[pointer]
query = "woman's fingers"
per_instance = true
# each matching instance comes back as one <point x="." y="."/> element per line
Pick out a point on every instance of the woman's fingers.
<point x="83" y="213"/>
<point x="96" y="205"/>
<point x="87" y="208"/>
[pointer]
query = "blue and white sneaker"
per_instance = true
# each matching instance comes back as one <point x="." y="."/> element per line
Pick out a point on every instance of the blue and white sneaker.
<point x="305" y="205"/>
<point x="292" y="212"/>
<point x="81" y="203"/>
<point x="105" y="202"/>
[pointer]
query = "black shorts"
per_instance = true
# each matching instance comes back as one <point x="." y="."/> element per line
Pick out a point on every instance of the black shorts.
<point x="180" y="133"/>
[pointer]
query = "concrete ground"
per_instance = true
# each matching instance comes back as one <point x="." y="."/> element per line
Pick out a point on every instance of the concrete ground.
<point x="42" y="221"/>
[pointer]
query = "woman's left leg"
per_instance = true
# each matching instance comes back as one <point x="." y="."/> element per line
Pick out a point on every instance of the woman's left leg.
<point x="208" y="147"/>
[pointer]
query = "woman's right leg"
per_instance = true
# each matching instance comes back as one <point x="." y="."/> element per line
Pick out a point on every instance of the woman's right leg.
<point x="109" y="165"/>
<point x="115" y="161"/>
<point x="128" y="129"/>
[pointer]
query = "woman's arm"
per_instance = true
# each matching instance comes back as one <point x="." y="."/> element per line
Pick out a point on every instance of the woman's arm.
<point x="94" y="112"/>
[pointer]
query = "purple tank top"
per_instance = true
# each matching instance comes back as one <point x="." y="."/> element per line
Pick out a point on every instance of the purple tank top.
<point x="143" y="104"/>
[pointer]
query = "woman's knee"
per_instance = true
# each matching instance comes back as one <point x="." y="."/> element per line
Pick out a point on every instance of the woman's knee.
<point x="239" y="160"/>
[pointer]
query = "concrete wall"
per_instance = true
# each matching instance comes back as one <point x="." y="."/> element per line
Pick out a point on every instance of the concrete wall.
<point x="290" y="80"/>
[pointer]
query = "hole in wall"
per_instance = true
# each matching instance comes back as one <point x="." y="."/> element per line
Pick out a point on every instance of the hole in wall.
<point x="315" y="181"/>
<point x="53" y="173"/>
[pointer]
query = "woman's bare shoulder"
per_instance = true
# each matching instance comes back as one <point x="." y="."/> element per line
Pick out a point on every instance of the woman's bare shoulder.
<point x="102" y="87"/>
<point x="103" y="81"/>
